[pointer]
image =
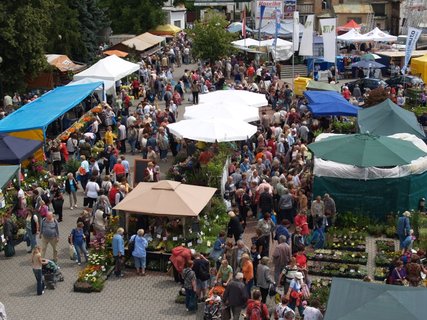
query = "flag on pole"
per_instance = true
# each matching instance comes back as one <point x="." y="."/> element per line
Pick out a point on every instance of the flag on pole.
<point x="306" y="47"/>
<point x="261" y="15"/>
<point x="244" y="22"/>
<point x="295" y="34"/>
<point x="329" y="34"/>
<point x="411" y="41"/>
<point x="277" y="16"/>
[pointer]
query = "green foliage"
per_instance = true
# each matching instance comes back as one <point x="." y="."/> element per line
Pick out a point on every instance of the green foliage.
<point x="134" y="16"/>
<point x="72" y="165"/>
<point x="343" y="127"/>
<point x="64" y="32"/>
<point x="93" y="21"/>
<point x="23" y="39"/>
<point x="211" y="41"/>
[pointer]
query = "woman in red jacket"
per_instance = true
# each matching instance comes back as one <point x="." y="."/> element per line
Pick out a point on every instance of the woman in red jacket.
<point x="179" y="258"/>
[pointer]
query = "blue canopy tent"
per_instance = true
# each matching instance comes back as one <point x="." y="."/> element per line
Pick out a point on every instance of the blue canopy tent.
<point x="329" y="103"/>
<point x="32" y="120"/>
<point x="13" y="150"/>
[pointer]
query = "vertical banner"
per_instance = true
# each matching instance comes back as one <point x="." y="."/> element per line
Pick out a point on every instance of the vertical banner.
<point x="329" y="34"/>
<point x="278" y="15"/>
<point x="295" y="35"/>
<point x="261" y="15"/>
<point x="306" y="47"/>
<point x="290" y="7"/>
<point x="244" y="22"/>
<point x="411" y="41"/>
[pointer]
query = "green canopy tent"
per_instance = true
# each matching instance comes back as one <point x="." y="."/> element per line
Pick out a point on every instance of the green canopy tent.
<point x="7" y="173"/>
<point x="388" y="118"/>
<point x="356" y="300"/>
<point x="365" y="150"/>
<point x="322" y="86"/>
<point x="365" y="177"/>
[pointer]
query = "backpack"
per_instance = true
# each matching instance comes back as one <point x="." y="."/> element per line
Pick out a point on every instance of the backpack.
<point x="256" y="313"/>
<point x="204" y="271"/>
<point x="131" y="244"/>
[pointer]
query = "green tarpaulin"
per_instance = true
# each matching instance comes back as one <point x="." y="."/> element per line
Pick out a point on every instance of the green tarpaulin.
<point x="7" y="173"/>
<point x="322" y="86"/>
<point x="388" y="118"/>
<point x="358" y="300"/>
<point x="365" y="150"/>
<point x="375" y="198"/>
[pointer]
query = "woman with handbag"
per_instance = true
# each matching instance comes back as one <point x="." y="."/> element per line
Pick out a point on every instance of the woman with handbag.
<point x="398" y="275"/>
<point x="264" y="279"/>
<point x="295" y="293"/>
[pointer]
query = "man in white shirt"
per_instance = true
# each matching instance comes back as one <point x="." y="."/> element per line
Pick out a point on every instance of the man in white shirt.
<point x="312" y="312"/>
<point x="122" y="137"/>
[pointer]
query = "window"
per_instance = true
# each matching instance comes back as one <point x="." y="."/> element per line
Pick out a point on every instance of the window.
<point x="379" y="9"/>
<point x="177" y="23"/>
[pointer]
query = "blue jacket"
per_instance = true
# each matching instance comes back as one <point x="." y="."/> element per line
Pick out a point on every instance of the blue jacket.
<point x="140" y="246"/>
<point x="403" y="226"/>
<point x="118" y="245"/>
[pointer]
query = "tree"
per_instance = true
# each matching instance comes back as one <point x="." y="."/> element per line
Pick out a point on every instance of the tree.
<point x="23" y="26"/>
<point x="64" y="32"/>
<point x="134" y="16"/>
<point x="93" y="21"/>
<point x="211" y="41"/>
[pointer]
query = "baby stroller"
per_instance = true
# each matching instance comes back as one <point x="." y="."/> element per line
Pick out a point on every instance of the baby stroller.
<point x="51" y="273"/>
<point x="213" y="305"/>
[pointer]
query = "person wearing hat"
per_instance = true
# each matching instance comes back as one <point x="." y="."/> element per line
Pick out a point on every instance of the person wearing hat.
<point x="294" y="294"/>
<point x="235" y="296"/>
<point x="403" y="227"/>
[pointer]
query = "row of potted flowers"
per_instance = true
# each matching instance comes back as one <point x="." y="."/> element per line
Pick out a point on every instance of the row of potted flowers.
<point x="341" y="270"/>
<point x="339" y="256"/>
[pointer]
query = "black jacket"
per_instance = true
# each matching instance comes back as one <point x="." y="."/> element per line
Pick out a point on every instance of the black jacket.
<point x="235" y="294"/>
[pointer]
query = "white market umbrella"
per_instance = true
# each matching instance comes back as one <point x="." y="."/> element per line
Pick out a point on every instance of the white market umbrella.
<point x="212" y="129"/>
<point x="235" y="97"/>
<point x="224" y="110"/>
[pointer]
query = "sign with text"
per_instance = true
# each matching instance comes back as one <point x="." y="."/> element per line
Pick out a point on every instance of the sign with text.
<point x="269" y="12"/>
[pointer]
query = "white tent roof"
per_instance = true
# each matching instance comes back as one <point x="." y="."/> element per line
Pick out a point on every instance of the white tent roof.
<point x="107" y="83"/>
<point x="245" y="42"/>
<point x="378" y="35"/>
<point x="213" y="129"/>
<point x="235" y="97"/>
<point x="249" y="42"/>
<point x="223" y="110"/>
<point x="110" y="68"/>
<point x="352" y="36"/>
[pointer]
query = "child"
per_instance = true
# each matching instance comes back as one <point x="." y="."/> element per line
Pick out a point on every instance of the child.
<point x="255" y="260"/>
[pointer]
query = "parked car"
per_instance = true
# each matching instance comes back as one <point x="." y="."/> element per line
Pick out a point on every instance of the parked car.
<point x="407" y="80"/>
<point x="366" y="83"/>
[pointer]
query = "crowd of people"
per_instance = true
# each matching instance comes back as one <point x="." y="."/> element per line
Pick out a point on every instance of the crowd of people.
<point x="271" y="220"/>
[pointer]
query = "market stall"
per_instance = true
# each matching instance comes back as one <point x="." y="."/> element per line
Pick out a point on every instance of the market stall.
<point x="329" y="103"/>
<point x="29" y="122"/>
<point x="166" y="209"/>
<point x="236" y="97"/>
<point x="225" y="110"/>
<point x="419" y="67"/>
<point x="388" y="118"/>
<point x="365" y="178"/>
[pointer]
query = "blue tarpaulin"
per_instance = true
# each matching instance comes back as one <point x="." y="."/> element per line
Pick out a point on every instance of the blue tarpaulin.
<point x="329" y="103"/>
<point x="44" y="110"/>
